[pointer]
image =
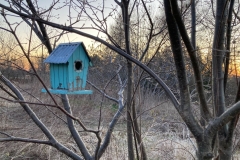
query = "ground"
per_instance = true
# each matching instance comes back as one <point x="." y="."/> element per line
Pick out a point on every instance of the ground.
<point x="164" y="135"/>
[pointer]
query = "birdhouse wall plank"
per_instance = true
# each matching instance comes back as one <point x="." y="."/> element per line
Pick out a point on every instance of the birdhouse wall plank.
<point x="56" y="75"/>
<point x="66" y="76"/>
<point x="62" y="76"/>
<point x="84" y="75"/>
<point x="81" y="57"/>
<point x="85" y="64"/>
<point x="70" y="74"/>
<point x="76" y="58"/>
<point x="52" y="77"/>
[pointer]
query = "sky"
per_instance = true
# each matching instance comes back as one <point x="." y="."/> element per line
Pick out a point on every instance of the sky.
<point x="60" y="15"/>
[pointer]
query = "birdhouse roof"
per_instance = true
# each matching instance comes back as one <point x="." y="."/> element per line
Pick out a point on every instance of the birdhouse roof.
<point x="63" y="52"/>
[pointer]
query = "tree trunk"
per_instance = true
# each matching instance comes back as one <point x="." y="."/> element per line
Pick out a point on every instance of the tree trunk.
<point x="129" y="113"/>
<point x="225" y="150"/>
<point x="138" y="134"/>
<point x="225" y="143"/>
<point x="204" y="150"/>
<point x="126" y="20"/>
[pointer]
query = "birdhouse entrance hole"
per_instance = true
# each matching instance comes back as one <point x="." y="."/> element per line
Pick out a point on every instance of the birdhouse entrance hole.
<point x="78" y="65"/>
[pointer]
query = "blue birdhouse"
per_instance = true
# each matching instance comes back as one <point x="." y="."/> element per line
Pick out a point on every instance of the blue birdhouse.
<point x="69" y="64"/>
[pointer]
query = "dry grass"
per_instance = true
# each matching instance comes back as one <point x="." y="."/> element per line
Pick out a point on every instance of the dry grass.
<point x="16" y="122"/>
<point x="163" y="133"/>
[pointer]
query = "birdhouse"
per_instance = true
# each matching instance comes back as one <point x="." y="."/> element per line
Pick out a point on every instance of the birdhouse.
<point x="69" y="64"/>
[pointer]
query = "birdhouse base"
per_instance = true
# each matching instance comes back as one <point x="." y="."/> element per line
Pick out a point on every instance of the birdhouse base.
<point x="62" y="91"/>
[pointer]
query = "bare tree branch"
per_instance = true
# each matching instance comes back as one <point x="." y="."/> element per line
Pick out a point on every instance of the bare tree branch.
<point x="27" y="140"/>
<point x="73" y="130"/>
<point x="42" y="28"/>
<point x="192" y="54"/>
<point x="185" y="107"/>
<point x="113" y="123"/>
<point x="102" y="92"/>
